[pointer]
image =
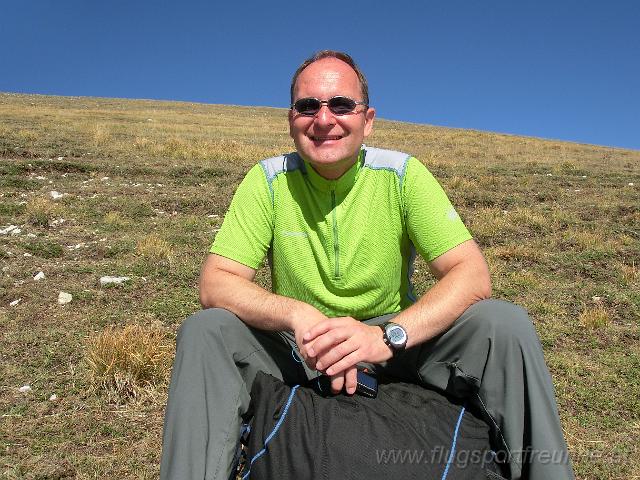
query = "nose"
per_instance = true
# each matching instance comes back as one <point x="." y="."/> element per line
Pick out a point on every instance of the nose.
<point x="324" y="117"/>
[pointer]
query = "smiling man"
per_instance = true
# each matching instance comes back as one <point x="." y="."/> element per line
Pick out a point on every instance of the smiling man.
<point x="341" y="224"/>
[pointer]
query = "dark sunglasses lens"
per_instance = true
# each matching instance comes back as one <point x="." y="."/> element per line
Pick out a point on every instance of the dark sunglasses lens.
<point x="341" y="105"/>
<point x="307" y="106"/>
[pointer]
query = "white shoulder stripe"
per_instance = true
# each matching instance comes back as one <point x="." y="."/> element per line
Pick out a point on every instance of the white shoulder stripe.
<point x="381" y="159"/>
<point x="274" y="166"/>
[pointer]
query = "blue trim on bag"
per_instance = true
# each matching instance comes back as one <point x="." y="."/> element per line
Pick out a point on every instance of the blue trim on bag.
<point x="296" y="355"/>
<point x="273" y="432"/>
<point x="452" y="451"/>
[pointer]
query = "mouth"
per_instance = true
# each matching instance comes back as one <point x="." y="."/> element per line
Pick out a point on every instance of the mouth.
<point x="325" y="138"/>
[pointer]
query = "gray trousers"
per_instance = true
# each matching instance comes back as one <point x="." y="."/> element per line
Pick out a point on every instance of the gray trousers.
<point x="491" y="356"/>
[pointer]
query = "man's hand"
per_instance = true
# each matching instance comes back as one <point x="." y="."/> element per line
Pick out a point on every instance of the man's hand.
<point x="303" y="321"/>
<point x="336" y="345"/>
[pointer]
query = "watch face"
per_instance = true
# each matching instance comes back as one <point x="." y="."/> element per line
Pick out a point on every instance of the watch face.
<point x="396" y="335"/>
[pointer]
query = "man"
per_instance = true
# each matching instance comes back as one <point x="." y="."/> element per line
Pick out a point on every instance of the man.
<point x="341" y="224"/>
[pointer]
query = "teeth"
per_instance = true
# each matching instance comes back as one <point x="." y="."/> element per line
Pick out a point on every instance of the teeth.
<point x="326" y="138"/>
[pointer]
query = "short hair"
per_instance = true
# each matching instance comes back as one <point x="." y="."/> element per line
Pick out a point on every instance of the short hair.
<point x="346" y="58"/>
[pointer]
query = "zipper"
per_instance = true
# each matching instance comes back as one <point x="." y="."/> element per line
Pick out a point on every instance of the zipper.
<point x="336" y="247"/>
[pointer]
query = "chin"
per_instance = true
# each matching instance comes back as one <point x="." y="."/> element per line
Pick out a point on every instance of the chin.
<point x="329" y="155"/>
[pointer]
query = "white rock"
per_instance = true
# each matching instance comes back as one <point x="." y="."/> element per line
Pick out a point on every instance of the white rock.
<point x="595" y="298"/>
<point x="57" y="222"/>
<point x="31" y="235"/>
<point x="25" y="388"/>
<point x="64" y="298"/>
<point x="39" y="276"/>
<point x="104" y="179"/>
<point x="56" y="195"/>
<point x="107" y="280"/>
<point x="8" y="230"/>
<point x="15" y="302"/>
<point x="40" y="177"/>
<point x="53" y="398"/>
<point x="60" y="158"/>
<point x="213" y="215"/>
<point x="630" y="184"/>
<point x="27" y="255"/>
<point x="549" y="175"/>
<point x="16" y="231"/>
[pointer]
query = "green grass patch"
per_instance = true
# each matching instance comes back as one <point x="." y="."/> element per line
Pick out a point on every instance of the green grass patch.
<point x="11" y="209"/>
<point x="18" y="183"/>
<point x="44" y="248"/>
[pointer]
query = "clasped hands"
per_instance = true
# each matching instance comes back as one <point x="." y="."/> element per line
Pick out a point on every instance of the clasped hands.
<point x="335" y="345"/>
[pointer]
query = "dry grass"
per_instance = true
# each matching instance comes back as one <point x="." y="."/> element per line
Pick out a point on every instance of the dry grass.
<point x="100" y="134"/>
<point x="129" y="363"/>
<point x="630" y="273"/>
<point x="155" y="250"/>
<point x="40" y="212"/>
<point x="114" y="219"/>
<point x="595" y="317"/>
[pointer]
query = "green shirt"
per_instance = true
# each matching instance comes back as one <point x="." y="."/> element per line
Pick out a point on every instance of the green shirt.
<point x="345" y="246"/>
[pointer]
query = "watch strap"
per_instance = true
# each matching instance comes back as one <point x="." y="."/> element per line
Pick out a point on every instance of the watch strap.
<point x="385" y="339"/>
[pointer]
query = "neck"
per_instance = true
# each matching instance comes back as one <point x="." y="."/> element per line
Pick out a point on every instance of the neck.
<point x="335" y="170"/>
<point x="332" y="173"/>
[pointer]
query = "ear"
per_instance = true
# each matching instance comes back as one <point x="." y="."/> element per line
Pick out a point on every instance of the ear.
<point x="369" y="115"/>
<point x="290" y="117"/>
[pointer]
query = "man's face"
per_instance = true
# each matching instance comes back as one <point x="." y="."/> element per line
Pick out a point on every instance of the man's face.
<point x="331" y="143"/>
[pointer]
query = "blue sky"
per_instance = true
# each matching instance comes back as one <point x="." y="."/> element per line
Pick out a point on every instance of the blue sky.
<point x="555" y="69"/>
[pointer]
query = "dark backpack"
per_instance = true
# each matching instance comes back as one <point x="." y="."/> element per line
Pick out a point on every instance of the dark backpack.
<point x="407" y="432"/>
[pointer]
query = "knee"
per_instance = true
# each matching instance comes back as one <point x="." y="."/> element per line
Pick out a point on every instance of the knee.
<point x="502" y="320"/>
<point x="206" y="324"/>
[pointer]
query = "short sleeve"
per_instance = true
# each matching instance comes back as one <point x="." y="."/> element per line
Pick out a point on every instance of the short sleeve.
<point x="247" y="229"/>
<point x="433" y="225"/>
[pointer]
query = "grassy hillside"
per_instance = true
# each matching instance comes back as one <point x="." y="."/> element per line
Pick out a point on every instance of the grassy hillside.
<point x="144" y="187"/>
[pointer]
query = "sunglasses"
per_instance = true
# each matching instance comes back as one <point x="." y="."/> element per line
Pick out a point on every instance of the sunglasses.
<point x="338" y="105"/>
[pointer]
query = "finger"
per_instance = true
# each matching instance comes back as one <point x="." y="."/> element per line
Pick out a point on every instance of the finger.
<point x="311" y="362"/>
<point x="328" y="358"/>
<point x="317" y="329"/>
<point x="351" y="380"/>
<point x="337" y="382"/>
<point x="344" y="363"/>
<point x="322" y="327"/>
<point x="327" y="340"/>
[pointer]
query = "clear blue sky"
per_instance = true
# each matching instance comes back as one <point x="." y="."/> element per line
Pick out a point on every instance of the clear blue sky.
<point x="563" y="69"/>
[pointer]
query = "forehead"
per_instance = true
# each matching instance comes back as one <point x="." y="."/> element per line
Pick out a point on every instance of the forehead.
<point x="327" y="77"/>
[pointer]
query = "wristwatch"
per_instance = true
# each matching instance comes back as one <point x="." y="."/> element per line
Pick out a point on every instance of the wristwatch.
<point x="394" y="335"/>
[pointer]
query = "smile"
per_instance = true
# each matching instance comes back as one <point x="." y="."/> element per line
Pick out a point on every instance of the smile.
<point x="324" y="139"/>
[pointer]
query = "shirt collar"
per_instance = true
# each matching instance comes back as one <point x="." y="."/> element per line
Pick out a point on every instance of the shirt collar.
<point x="340" y="185"/>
